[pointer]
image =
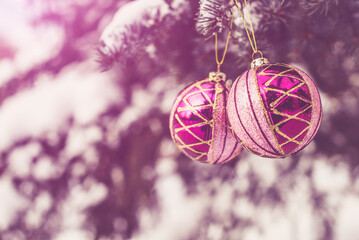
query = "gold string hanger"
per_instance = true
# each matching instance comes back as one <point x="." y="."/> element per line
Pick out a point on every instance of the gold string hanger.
<point x="253" y="41"/>
<point x="219" y="63"/>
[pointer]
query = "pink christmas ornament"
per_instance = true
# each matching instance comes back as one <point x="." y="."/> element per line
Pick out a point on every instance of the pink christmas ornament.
<point x="198" y="122"/>
<point x="275" y="109"/>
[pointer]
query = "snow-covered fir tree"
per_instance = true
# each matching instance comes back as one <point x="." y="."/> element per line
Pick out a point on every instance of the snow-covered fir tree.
<point x="85" y="151"/>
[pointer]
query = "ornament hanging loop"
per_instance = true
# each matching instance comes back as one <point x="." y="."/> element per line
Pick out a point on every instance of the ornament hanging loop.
<point x="252" y="39"/>
<point x="254" y="54"/>
<point x="219" y="63"/>
<point x="258" y="60"/>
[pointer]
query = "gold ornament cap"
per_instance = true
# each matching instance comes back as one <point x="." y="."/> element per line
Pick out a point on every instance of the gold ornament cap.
<point x="217" y="76"/>
<point x="258" y="59"/>
<point x="259" y="62"/>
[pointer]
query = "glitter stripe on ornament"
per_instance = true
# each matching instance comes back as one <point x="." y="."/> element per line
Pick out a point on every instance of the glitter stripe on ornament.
<point x="270" y="142"/>
<point x="222" y="149"/>
<point x="275" y="109"/>
<point x="241" y="118"/>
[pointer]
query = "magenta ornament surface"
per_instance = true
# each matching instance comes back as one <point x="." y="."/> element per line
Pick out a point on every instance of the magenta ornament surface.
<point x="275" y="109"/>
<point x="199" y="123"/>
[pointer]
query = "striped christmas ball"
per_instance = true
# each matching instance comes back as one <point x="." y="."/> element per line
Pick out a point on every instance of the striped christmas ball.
<point x="274" y="109"/>
<point x="199" y="123"/>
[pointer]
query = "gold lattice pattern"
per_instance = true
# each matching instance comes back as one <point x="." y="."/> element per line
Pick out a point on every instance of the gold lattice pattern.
<point x="195" y="146"/>
<point x="292" y="103"/>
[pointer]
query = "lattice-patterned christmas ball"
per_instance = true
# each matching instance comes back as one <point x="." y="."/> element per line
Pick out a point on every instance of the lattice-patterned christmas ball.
<point x="199" y="124"/>
<point x="274" y="109"/>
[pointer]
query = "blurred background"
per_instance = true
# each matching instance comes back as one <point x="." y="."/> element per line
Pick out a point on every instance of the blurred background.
<point x="86" y="88"/>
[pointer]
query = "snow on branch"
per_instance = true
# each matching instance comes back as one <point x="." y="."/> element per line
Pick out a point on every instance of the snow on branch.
<point x="133" y="26"/>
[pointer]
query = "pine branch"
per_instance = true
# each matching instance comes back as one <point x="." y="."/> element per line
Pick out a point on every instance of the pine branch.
<point x="134" y="27"/>
<point x="276" y="13"/>
<point x="319" y="6"/>
<point x="214" y="16"/>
